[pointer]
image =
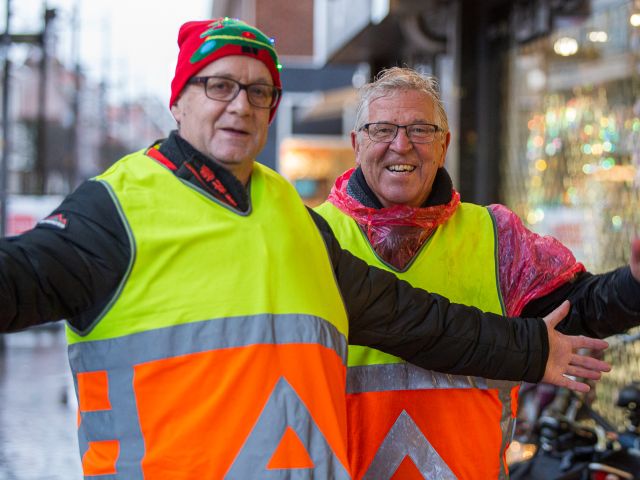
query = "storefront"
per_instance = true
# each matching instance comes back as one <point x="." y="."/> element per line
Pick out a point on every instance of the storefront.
<point x="570" y="160"/>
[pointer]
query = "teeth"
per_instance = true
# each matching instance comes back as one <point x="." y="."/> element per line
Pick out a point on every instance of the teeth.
<point x="401" y="168"/>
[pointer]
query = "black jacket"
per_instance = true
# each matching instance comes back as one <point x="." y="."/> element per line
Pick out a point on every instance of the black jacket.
<point x="72" y="268"/>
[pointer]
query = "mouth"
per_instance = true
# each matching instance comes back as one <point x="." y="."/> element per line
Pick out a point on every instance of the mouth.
<point x="401" y="168"/>
<point x="234" y="131"/>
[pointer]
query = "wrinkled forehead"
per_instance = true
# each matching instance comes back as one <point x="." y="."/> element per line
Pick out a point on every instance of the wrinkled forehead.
<point x="411" y="105"/>
<point x="238" y="67"/>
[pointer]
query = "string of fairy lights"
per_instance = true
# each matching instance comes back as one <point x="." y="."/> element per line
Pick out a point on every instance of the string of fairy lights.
<point x="572" y="158"/>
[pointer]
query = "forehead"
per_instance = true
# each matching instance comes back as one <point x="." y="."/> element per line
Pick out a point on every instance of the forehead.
<point x="403" y="106"/>
<point x="238" y="67"/>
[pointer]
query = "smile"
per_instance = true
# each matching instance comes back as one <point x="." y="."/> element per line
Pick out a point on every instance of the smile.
<point x="401" y="168"/>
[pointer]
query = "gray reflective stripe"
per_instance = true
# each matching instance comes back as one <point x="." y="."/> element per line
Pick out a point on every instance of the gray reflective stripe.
<point x="285" y="409"/>
<point x="405" y="376"/>
<point x="204" y="336"/>
<point x="507" y="425"/>
<point x="406" y="440"/>
<point x="118" y="356"/>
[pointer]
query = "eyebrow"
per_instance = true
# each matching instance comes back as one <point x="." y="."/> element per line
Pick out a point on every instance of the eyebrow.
<point x="261" y="80"/>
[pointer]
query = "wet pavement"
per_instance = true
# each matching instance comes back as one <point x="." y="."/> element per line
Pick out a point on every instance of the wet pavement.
<point x="37" y="409"/>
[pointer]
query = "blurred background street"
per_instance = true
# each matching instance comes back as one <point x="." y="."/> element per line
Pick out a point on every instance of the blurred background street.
<point x="37" y="408"/>
<point x="543" y="101"/>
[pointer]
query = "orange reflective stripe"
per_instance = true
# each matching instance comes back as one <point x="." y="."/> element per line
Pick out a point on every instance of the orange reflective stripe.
<point x="101" y="458"/>
<point x="290" y="453"/>
<point x="93" y="391"/>
<point x="407" y="470"/>
<point x="206" y="378"/>
<point x="467" y="443"/>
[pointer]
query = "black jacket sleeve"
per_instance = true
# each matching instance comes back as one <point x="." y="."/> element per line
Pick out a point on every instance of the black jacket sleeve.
<point x="426" y="329"/>
<point x="601" y="305"/>
<point x="64" y="269"/>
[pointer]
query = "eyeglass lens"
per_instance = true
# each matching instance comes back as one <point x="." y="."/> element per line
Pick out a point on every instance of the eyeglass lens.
<point x="386" y="132"/>
<point x="226" y="89"/>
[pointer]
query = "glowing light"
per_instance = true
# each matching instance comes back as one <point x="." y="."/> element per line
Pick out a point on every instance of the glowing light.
<point x="541" y="165"/>
<point x="634" y="20"/>
<point x="538" y="141"/>
<point x="588" y="169"/>
<point x="566" y="46"/>
<point x="616" y="221"/>
<point x="550" y="149"/>
<point x="588" y="129"/>
<point x="570" y="114"/>
<point x="550" y="117"/>
<point x="607" y="146"/>
<point x="535" y="216"/>
<point x="586" y="149"/>
<point x="596" y="149"/>
<point x="598" y="36"/>
<point x="608" y="163"/>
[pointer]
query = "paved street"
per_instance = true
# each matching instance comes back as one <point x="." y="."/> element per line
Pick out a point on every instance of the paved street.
<point x="37" y="409"/>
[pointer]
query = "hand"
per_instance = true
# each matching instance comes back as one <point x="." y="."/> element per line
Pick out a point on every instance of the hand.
<point x="563" y="361"/>
<point x="634" y="261"/>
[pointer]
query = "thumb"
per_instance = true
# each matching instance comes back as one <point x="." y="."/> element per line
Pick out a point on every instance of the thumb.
<point x="553" y="319"/>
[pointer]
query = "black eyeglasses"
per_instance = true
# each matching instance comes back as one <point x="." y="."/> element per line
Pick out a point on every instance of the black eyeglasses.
<point x="225" y="89"/>
<point x="381" y="132"/>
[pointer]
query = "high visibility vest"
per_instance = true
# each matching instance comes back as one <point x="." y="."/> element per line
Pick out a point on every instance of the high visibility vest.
<point x="415" y="423"/>
<point x="223" y="354"/>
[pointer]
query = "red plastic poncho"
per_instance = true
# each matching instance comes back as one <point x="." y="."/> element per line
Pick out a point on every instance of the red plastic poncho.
<point x="530" y="266"/>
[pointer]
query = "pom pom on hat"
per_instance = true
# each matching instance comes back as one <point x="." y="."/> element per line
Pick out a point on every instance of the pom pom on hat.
<point x="203" y="42"/>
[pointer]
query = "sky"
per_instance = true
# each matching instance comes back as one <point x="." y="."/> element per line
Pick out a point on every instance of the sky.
<point x="131" y="43"/>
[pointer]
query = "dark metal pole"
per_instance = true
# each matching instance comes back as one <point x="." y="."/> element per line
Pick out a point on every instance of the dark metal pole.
<point x="4" y="167"/>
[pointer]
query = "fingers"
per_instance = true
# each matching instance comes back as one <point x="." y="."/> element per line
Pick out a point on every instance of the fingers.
<point x="554" y="318"/>
<point x="589" y="363"/>
<point x="587" y="342"/>
<point x="574" y="385"/>
<point x="583" y="372"/>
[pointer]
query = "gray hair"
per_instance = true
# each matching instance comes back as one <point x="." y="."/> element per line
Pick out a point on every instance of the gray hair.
<point x="395" y="79"/>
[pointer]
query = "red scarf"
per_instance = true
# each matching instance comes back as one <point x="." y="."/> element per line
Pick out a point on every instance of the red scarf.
<point x="395" y="233"/>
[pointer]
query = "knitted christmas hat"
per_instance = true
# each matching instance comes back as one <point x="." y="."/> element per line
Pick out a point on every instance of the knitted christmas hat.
<point x="203" y="42"/>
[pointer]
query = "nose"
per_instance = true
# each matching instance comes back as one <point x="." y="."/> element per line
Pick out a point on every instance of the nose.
<point x="401" y="143"/>
<point x="240" y="104"/>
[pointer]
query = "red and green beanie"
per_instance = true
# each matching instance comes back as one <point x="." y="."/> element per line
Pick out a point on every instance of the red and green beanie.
<point x="205" y="41"/>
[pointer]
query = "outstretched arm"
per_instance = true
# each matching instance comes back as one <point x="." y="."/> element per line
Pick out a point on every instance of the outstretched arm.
<point x="429" y="331"/>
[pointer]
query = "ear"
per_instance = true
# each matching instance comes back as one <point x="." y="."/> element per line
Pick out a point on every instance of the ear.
<point x="444" y="146"/>
<point x="176" y="111"/>
<point x="355" y="145"/>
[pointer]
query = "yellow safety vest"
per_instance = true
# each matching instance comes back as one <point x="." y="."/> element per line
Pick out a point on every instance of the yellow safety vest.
<point x="223" y="353"/>
<point x="414" y="423"/>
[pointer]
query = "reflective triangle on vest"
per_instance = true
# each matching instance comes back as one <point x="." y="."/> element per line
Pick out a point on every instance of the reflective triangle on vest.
<point x="290" y="453"/>
<point x="262" y="455"/>
<point x="406" y="440"/>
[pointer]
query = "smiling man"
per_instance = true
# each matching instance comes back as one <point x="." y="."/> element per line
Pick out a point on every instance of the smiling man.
<point x="208" y="309"/>
<point x="399" y="211"/>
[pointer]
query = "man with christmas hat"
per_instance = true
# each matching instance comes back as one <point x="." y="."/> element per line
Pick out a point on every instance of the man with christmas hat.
<point x="208" y="310"/>
<point x="399" y="211"/>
